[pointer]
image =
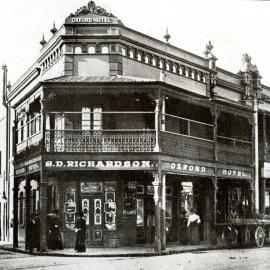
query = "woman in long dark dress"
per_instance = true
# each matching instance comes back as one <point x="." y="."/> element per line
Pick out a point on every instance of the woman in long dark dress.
<point x="55" y="231"/>
<point x="80" y="230"/>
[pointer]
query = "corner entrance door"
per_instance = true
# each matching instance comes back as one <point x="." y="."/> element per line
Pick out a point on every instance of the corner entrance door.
<point x="93" y="215"/>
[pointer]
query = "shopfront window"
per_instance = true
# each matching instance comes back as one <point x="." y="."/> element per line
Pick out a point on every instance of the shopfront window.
<point x="233" y="202"/>
<point x="70" y="208"/>
<point x="129" y="198"/>
<point x="110" y="208"/>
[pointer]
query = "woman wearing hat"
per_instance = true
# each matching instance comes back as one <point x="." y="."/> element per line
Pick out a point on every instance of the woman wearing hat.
<point x="80" y="231"/>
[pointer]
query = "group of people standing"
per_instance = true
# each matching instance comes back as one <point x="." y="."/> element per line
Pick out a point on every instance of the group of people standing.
<point x="54" y="232"/>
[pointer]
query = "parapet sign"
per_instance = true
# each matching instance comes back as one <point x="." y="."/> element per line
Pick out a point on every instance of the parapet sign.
<point x="91" y="14"/>
<point x="93" y="19"/>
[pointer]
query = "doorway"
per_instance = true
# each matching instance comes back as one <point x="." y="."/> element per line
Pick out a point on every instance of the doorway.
<point x="92" y="207"/>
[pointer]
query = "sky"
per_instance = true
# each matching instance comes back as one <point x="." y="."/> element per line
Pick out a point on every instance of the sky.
<point x="233" y="27"/>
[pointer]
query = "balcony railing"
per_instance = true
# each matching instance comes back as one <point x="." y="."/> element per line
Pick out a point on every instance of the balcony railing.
<point x="187" y="146"/>
<point x="100" y="140"/>
<point x="234" y="151"/>
<point x="192" y="128"/>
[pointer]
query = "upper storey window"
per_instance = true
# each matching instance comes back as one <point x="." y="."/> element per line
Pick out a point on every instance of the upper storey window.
<point x="91" y="50"/>
<point x="124" y="51"/>
<point x="146" y="59"/>
<point x="105" y="49"/>
<point x="78" y="50"/>
<point x="91" y="118"/>
<point x="131" y="54"/>
<point x="154" y="61"/>
<point x="139" y="57"/>
<point x="161" y="64"/>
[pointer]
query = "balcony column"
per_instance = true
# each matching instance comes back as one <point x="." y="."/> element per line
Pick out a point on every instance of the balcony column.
<point x="27" y="211"/>
<point x="15" y="213"/>
<point x="214" y="220"/>
<point x="43" y="121"/>
<point x="256" y="158"/>
<point x="163" y="111"/>
<point x="215" y="114"/>
<point x="157" y="125"/>
<point x="163" y="213"/>
<point x="43" y="211"/>
<point x="262" y="195"/>
<point x="156" y="184"/>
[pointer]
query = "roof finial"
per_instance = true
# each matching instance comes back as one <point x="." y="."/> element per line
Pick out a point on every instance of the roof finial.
<point x="53" y="30"/>
<point x="43" y="41"/>
<point x="167" y="36"/>
<point x="208" y="48"/>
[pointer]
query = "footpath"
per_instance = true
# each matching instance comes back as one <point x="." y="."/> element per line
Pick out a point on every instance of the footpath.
<point x="136" y="251"/>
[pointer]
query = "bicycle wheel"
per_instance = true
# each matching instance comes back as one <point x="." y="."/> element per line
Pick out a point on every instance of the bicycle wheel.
<point x="259" y="236"/>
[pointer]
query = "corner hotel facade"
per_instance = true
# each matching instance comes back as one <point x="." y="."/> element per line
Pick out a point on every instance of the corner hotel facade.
<point x="119" y="125"/>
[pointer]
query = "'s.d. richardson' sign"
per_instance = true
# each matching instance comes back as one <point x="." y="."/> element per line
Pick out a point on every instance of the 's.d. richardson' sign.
<point x="99" y="164"/>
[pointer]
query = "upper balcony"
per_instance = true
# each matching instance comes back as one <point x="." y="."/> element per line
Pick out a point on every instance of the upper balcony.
<point x="97" y="131"/>
<point x="28" y="133"/>
<point x="93" y="130"/>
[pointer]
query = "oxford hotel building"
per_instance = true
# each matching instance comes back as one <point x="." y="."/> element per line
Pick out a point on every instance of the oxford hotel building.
<point x="125" y="127"/>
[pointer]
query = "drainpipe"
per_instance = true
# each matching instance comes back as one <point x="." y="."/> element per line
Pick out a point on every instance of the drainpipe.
<point x="6" y="180"/>
<point x="255" y="109"/>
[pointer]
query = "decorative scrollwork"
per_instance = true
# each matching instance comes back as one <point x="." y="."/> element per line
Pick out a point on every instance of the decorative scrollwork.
<point x="92" y="8"/>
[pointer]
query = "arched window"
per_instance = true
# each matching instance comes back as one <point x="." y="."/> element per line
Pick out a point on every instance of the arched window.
<point x="154" y="61"/>
<point x="203" y="78"/>
<point x="124" y="51"/>
<point x="139" y="56"/>
<point x="161" y="64"/>
<point x="78" y="50"/>
<point x="105" y="49"/>
<point x="174" y="69"/>
<point x="168" y="66"/>
<point x="181" y="70"/>
<point x="131" y="54"/>
<point x="199" y="76"/>
<point x="193" y="74"/>
<point x="91" y="50"/>
<point x="187" y="72"/>
<point x="146" y="59"/>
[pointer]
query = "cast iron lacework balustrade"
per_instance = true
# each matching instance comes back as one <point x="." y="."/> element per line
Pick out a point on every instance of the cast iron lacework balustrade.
<point x="100" y="140"/>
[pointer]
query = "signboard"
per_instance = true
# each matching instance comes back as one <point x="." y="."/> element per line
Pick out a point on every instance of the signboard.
<point x="20" y="171"/>
<point x="188" y="168"/>
<point x="28" y="169"/>
<point x="266" y="170"/>
<point x="99" y="164"/>
<point x="234" y="173"/>
<point x="98" y="20"/>
<point x="91" y="14"/>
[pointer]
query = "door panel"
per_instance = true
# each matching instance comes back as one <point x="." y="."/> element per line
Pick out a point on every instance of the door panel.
<point x="97" y="222"/>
